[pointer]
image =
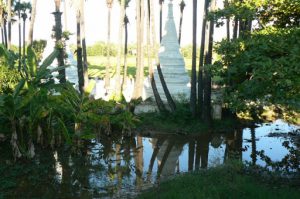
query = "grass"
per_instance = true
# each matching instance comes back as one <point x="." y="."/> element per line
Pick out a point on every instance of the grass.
<point x="97" y="65"/>
<point x="221" y="182"/>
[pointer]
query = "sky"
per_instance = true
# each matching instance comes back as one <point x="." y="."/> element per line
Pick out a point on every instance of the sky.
<point x="96" y="20"/>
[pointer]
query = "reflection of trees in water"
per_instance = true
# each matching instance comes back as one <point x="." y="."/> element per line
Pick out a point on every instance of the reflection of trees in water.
<point x="253" y="142"/>
<point x="234" y="143"/>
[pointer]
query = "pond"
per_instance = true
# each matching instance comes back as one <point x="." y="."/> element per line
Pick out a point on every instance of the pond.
<point x="121" y="166"/>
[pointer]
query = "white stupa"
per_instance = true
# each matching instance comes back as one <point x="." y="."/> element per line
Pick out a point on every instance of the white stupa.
<point x="172" y="64"/>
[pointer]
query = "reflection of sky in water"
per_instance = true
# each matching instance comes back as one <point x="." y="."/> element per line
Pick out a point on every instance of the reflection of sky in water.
<point x="272" y="146"/>
<point x="103" y="175"/>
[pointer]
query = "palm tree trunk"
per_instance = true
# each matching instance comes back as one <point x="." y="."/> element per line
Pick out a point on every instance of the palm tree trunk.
<point x="160" y="18"/>
<point x="9" y="23"/>
<point x="158" y="100"/>
<point x="58" y="37"/>
<point x="83" y="40"/>
<point x="20" y="41"/>
<point x="182" y="5"/>
<point x="32" y="21"/>
<point x="193" y="98"/>
<point x="5" y="33"/>
<point x="79" y="54"/>
<point x="107" y="68"/>
<point x="140" y="67"/>
<point x="2" y="36"/>
<point x="119" y="56"/>
<point x="201" y="61"/>
<point x="24" y="42"/>
<point x="207" y="75"/>
<point x="235" y="28"/>
<point x="124" y="81"/>
<point x="227" y="22"/>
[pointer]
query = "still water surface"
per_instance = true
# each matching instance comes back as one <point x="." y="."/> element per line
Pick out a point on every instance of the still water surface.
<point x="120" y="166"/>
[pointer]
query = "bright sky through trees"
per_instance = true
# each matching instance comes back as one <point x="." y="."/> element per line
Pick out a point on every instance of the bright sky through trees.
<point x="96" y="20"/>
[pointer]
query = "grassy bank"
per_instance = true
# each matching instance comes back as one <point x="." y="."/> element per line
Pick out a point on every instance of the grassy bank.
<point x="223" y="182"/>
<point x="97" y="65"/>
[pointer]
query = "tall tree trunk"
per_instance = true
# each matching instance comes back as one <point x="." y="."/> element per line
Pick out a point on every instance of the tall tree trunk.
<point x="58" y="43"/>
<point x="2" y="36"/>
<point x="138" y="87"/>
<point x="166" y="90"/>
<point x="108" y="65"/>
<point x="193" y="98"/>
<point x="24" y="42"/>
<point x="158" y="100"/>
<point x="119" y="56"/>
<point x="235" y="28"/>
<point x="201" y="61"/>
<point x="182" y="5"/>
<point x="9" y="23"/>
<point x="124" y="81"/>
<point x="161" y="2"/>
<point x="83" y="40"/>
<point x="79" y="53"/>
<point x="226" y="4"/>
<point x="32" y="21"/>
<point x="207" y="75"/>
<point x="20" y="40"/>
<point x="5" y="33"/>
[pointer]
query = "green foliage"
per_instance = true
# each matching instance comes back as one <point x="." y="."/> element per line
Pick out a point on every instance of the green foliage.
<point x="276" y="13"/>
<point x="100" y="48"/>
<point x="262" y="70"/>
<point x="42" y="112"/>
<point x="39" y="47"/>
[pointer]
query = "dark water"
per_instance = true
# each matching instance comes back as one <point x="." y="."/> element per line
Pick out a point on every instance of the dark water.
<point x="120" y="166"/>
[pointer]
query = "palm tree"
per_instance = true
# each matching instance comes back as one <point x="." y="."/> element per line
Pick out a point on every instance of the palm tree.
<point x="201" y="61"/>
<point x="32" y="20"/>
<point x="161" y="2"/>
<point x="126" y="21"/>
<point x="3" y="22"/>
<point x="9" y="6"/>
<point x="138" y="87"/>
<point x="2" y="19"/>
<point x="58" y="43"/>
<point x="79" y="51"/>
<point x="83" y="40"/>
<point x="182" y="5"/>
<point x="193" y="75"/>
<point x="158" y="100"/>
<point x="118" y="69"/>
<point x="207" y="62"/>
<point x="79" y="8"/>
<point x="26" y="7"/>
<point x="109" y="4"/>
<point x="17" y="9"/>
<point x="226" y="3"/>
